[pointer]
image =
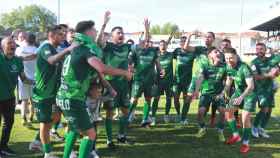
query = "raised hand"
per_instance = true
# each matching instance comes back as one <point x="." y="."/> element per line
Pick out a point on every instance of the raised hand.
<point x="107" y="17"/>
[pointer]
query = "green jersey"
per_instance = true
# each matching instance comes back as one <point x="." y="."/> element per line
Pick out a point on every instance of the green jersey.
<point x="184" y="65"/>
<point x="260" y="67"/>
<point x="47" y="76"/>
<point x="144" y="64"/>
<point x="239" y="74"/>
<point x="77" y="74"/>
<point x="166" y="63"/>
<point x="116" y="56"/>
<point x="10" y="69"/>
<point x="214" y="75"/>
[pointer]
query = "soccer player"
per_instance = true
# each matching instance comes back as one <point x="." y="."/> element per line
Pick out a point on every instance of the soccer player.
<point x="264" y="71"/>
<point x="212" y="77"/>
<point x="165" y="83"/>
<point x="116" y="54"/>
<point x="183" y="76"/>
<point x="11" y="67"/>
<point x="243" y="97"/>
<point x="78" y="70"/>
<point x="145" y="60"/>
<point x="47" y="77"/>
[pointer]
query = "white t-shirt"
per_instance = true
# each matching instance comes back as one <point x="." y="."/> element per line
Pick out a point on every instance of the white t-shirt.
<point x="29" y="66"/>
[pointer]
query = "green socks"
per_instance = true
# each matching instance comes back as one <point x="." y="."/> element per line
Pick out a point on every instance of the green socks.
<point x="265" y="119"/>
<point x="146" y="111"/>
<point x="177" y="106"/>
<point x="46" y="148"/>
<point x="232" y="125"/>
<point x="246" y="134"/>
<point x="259" y="117"/>
<point x="155" y="106"/>
<point x="71" y="137"/>
<point x="37" y="137"/>
<point x="123" y="125"/>
<point x="167" y="105"/>
<point x="85" y="147"/>
<point x="108" y="127"/>
<point x="185" y="110"/>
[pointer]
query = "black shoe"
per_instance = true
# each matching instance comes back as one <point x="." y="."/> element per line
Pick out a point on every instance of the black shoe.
<point x="111" y="145"/>
<point x="6" y="151"/>
<point x="145" y="124"/>
<point x="124" y="140"/>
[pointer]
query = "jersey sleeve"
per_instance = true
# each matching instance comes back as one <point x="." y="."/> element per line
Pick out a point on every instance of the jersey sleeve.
<point x="247" y="71"/>
<point x="46" y="52"/>
<point x="254" y="68"/>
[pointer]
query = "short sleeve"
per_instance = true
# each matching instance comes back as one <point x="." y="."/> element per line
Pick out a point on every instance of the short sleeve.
<point x="46" y="52"/>
<point x="247" y="71"/>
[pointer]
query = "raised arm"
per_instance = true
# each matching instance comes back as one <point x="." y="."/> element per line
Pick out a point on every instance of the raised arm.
<point x="187" y="46"/>
<point x="60" y="56"/>
<point x="147" y="30"/>
<point x="100" y="38"/>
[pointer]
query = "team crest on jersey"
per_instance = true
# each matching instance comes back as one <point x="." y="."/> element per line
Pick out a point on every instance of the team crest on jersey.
<point x="14" y="68"/>
<point x="253" y="67"/>
<point x="47" y="52"/>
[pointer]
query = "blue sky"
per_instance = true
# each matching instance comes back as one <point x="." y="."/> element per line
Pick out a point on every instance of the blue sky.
<point x="205" y="15"/>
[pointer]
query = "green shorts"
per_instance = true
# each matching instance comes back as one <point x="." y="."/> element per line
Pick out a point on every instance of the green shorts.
<point x="43" y="110"/>
<point x="122" y="98"/>
<point x="265" y="100"/>
<point x="76" y="113"/>
<point x="206" y="100"/>
<point x="248" y="103"/>
<point x="164" y="88"/>
<point x="139" y="87"/>
<point x="181" y="87"/>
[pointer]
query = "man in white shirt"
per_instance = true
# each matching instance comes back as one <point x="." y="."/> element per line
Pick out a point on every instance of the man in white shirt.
<point x="27" y="51"/>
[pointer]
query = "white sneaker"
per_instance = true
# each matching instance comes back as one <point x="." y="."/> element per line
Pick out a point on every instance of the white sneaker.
<point x="50" y="155"/>
<point x="153" y="123"/>
<point x="263" y="134"/>
<point x="94" y="154"/>
<point x="131" y="116"/>
<point x="36" y="145"/>
<point x="73" y="154"/>
<point x="184" y="123"/>
<point x="255" y="132"/>
<point x="166" y="118"/>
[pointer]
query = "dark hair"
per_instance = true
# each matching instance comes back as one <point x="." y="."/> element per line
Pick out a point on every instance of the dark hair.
<point x="54" y="29"/>
<point x="63" y="26"/>
<point x="71" y="30"/>
<point x="83" y="26"/>
<point x="226" y="40"/>
<point x="230" y="51"/>
<point x="212" y="34"/>
<point x="162" y="41"/>
<point x="116" y="28"/>
<point x="210" y="49"/>
<point x="183" y="38"/>
<point x="261" y="44"/>
<point x="31" y="39"/>
<point x="130" y="41"/>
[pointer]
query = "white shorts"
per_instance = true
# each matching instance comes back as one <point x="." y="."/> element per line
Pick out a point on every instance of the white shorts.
<point x="25" y="90"/>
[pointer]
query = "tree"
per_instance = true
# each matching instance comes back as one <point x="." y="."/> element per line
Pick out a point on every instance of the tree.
<point x="30" y="18"/>
<point x="166" y="28"/>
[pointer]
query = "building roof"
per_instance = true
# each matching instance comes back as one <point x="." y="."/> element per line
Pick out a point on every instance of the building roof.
<point x="269" y="21"/>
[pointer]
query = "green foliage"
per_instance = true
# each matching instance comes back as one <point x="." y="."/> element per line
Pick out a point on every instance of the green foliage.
<point x="31" y="18"/>
<point x="166" y="28"/>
